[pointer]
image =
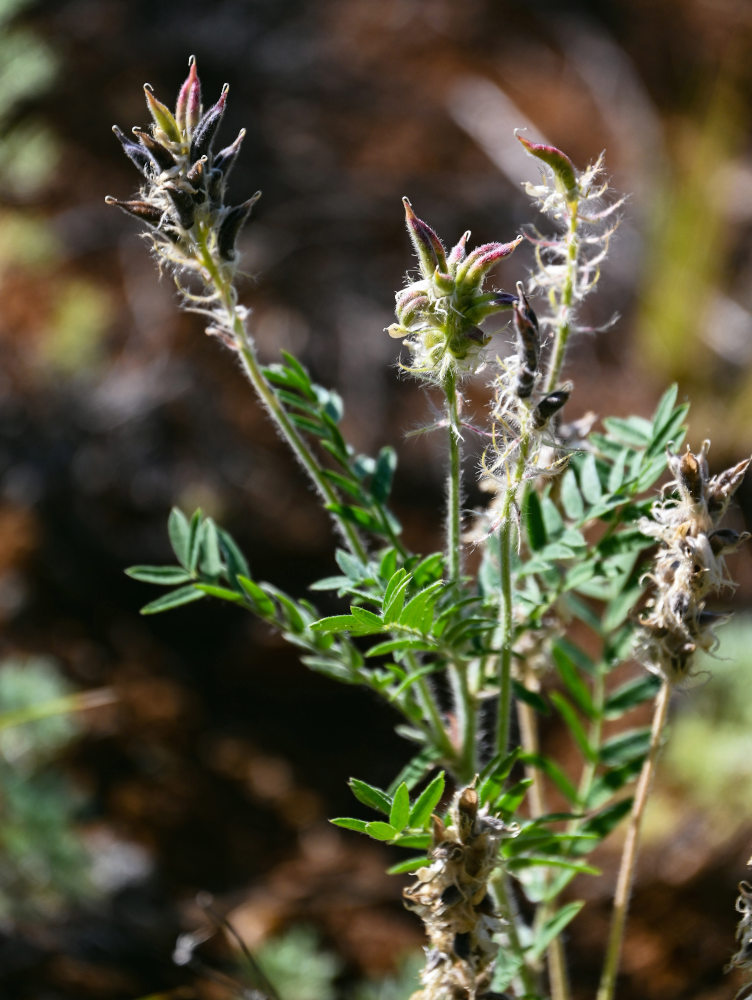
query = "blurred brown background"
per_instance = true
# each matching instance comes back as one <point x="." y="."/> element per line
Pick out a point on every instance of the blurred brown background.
<point x="221" y="759"/>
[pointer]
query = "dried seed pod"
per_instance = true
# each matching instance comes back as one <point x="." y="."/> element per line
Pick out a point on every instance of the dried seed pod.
<point x="550" y="405"/>
<point x="161" y="156"/>
<point x="231" y="225"/>
<point x="141" y="209"/>
<point x="185" y="206"/>
<point x="205" y="131"/>
<point x="725" y="540"/>
<point x="690" y="475"/>
<point x="723" y="486"/>
<point x="528" y="343"/>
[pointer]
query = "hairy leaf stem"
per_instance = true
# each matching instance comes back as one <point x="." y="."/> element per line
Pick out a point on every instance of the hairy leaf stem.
<point x="629" y="851"/>
<point x="226" y="292"/>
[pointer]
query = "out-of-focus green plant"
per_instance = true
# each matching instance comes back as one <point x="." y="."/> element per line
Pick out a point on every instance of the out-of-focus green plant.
<point x="564" y="589"/>
<point x="43" y="864"/>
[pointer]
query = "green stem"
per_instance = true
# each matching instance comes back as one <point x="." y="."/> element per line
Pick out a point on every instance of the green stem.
<point x="506" y="629"/>
<point x="565" y="303"/>
<point x="453" y="487"/>
<point x="629" y="851"/>
<point x="266" y="394"/>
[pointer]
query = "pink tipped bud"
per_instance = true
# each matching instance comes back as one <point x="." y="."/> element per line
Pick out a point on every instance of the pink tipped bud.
<point x="163" y="117"/>
<point x="458" y="253"/>
<point x="427" y="244"/>
<point x="476" y="266"/>
<point x="563" y="168"/>
<point x="188" y="107"/>
<point x="203" y="136"/>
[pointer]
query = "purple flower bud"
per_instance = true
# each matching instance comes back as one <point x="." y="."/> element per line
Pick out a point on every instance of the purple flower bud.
<point x="185" y="206"/>
<point x="477" y="264"/>
<point x="225" y="158"/>
<point x="563" y="168"/>
<point x="427" y="244"/>
<point x="188" y="107"/>
<point x="231" y="225"/>
<point x="458" y="253"/>
<point x="163" y="117"/>
<point x="135" y="153"/>
<point x="161" y="156"/>
<point x="203" y="135"/>
<point x="141" y="209"/>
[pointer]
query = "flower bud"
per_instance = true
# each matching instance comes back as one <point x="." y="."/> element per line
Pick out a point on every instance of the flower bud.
<point x="188" y="107"/>
<point x="225" y="158"/>
<point x="427" y="244"/>
<point x="690" y="475"/>
<point x="476" y="265"/>
<point x="562" y="167"/>
<point x="231" y="225"/>
<point x="196" y="177"/>
<point x="161" y="156"/>
<point x="203" y="135"/>
<point x="135" y="153"/>
<point x="163" y="117"/>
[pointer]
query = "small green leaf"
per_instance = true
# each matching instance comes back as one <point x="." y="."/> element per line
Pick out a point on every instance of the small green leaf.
<point x="511" y="800"/>
<point x="223" y="593"/>
<point x="418" y="612"/>
<point x="234" y="559"/>
<point x="426" y="802"/>
<point x="610" y="782"/>
<point x="553" y="927"/>
<point x="194" y="539"/>
<point x="410" y="865"/>
<point x="571" y="498"/>
<point x="416" y="769"/>
<point x="603" y="822"/>
<point x="631" y="694"/>
<point x="370" y="796"/>
<point x="532" y="518"/>
<point x="265" y="606"/>
<point x="179" y="531"/>
<point x="176" y="598"/>
<point x="386" y="463"/>
<point x="532" y="698"/>
<point x="399" y="814"/>
<point x="164" y="576"/>
<point x="358" y="825"/>
<point x="398" y="645"/>
<point x="574" y="725"/>
<point x="381" y="831"/>
<point x="625" y="747"/>
<point x="635" y="431"/>
<point x="554" y="772"/>
<point x="590" y="482"/>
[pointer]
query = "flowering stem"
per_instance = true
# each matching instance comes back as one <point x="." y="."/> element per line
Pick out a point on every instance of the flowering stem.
<point x="629" y="851"/>
<point x="564" y="304"/>
<point x="252" y="368"/>
<point x="453" y="542"/>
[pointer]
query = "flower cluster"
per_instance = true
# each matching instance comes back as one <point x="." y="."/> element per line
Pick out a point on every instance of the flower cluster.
<point x="440" y="314"/>
<point x="689" y="564"/>
<point x="181" y="199"/>
<point x="452" y="898"/>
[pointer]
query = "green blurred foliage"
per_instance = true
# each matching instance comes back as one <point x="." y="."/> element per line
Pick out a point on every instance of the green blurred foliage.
<point x="43" y="864"/>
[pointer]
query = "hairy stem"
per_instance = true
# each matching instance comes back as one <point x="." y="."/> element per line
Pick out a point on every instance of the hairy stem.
<point x="453" y="487"/>
<point x="266" y="394"/>
<point x="629" y="851"/>
<point x="565" y="302"/>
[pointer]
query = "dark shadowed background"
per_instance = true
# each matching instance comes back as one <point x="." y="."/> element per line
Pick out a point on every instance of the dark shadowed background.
<point x="219" y="760"/>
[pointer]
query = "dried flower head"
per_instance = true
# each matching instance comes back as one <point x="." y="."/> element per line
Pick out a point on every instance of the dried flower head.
<point x="742" y="958"/>
<point x="439" y="315"/>
<point x="452" y="897"/>
<point x="689" y="564"/>
<point x="181" y="199"/>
